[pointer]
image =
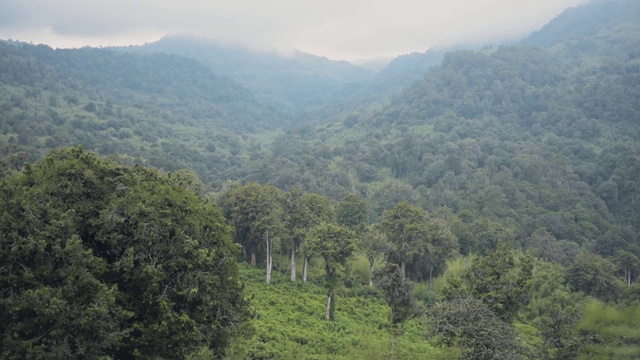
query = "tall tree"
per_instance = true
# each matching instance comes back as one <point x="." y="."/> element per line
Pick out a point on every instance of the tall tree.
<point x="398" y="294"/>
<point x="373" y="244"/>
<point x="352" y="212"/>
<point x="302" y="212"/>
<point x="594" y="275"/>
<point x="257" y="213"/>
<point x="501" y="281"/>
<point x="336" y="244"/>
<point x="405" y="226"/>
<point x="629" y="265"/>
<point x="440" y="246"/>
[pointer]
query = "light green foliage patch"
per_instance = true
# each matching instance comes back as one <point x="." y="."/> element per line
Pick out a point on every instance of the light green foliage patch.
<point x="289" y="324"/>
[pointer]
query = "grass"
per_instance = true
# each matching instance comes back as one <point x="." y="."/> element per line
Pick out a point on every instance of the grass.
<point x="289" y="324"/>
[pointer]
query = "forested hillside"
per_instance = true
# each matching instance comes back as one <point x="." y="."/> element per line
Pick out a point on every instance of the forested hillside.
<point x="162" y="110"/>
<point x="295" y="83"/>
<point x="478" y="204"/>
<point x="519" y="135"/>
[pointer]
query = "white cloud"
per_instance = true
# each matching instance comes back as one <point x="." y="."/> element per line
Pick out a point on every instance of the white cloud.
<point x="334" y="28"/>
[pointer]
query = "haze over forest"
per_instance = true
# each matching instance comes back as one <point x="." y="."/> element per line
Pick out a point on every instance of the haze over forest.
<point x="215" y="181"/>
<point x="349" y="30"/>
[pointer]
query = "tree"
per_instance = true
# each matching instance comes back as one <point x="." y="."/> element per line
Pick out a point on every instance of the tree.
<point x="440" y="246"/>
<point x="628" y="264"/>
<point x="352" y="213"/>
<point x="336" y="244"/>
<point x="501" y="282"/>
<point x="302" y="212"/>
<point x="405" y="226"/>
<point x="256" y="211"/>
<point x="398" y="295"/>
<point x="373" y="243"/>
<point x="422" y="243"/>
<point x="478" y="332"/>
<point x="489" y="235"/>
<point x="100" y="260"/>
<point x="593" y="275"/>
<point x="558" y="331"/>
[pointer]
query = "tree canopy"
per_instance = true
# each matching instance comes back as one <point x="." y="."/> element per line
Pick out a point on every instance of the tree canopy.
<point x="103" y="260"/>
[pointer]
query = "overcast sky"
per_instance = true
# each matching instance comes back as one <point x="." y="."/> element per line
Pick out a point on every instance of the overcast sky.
<point x="338" y="29"/>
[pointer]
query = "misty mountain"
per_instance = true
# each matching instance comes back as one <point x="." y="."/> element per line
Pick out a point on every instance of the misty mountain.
<point x="405" y="69"/>
<point x="523" y="135"/>
<point x="294" y="83"/>
<point x="519" y="164"/>
<point x="167" y="111"/>
<point x="130" y="78"/>
<point x="602" y="29"/>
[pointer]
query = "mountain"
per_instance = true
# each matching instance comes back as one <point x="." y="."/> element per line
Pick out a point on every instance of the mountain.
<point x="522" y="135"/>
<point x="405" y="69"/>
<point x="295" y="83"/>
<point x="601" y="28"/>
<point x="523" y="159"/>
<point x="162" y="110"/>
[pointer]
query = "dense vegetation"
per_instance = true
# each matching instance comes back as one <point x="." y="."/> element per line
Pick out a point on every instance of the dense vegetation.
<point x="162" y="110"/>
<point x="295" y="83"/>
<point x="491" y="210"/>
<point x="101" y="260"/>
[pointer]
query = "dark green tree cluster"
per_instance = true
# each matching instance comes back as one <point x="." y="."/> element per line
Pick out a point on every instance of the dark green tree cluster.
<point x="419" y="241"/>
<point x="477" y="312"/>
<point x="99" y="260"/>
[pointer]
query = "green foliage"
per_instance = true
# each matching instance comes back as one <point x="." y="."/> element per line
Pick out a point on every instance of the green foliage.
<point x="405" y="228"/>
<point x="479" y="333"/>
<point x="628" y="265"/>
<point x="256" y="212"/>
<point x="101" y="260"/>
<point x="594" y="276"/>
<point x="163" y="111"/>
<point x="352" y="213"/>
<point x="501" y="282"/>
<point x="289" y="324"/>
<point x="373" y="245"/>
<point x="397" y="292"/>
<point x="336" y="245"/>
<point x="614" y="332"/>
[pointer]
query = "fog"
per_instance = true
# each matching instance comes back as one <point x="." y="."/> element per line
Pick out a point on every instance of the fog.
<point x="344" y="29"/>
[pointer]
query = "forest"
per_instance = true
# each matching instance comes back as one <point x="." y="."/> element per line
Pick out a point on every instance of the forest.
<point x="181" y="200"/>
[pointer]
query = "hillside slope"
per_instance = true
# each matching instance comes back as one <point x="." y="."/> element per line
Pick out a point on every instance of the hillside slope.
<point x="521" y="135"/>
<point x="162" y="110"/>
<point x="295" y="83"/>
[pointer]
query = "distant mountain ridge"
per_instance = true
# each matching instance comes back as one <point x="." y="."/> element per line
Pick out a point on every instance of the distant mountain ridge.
<point x="167" y="111"/>
<point x="293" y="83"/>
<point x="603" y="28"/>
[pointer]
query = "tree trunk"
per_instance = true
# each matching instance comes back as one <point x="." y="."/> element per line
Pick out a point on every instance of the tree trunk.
<point x="304" y="269"/>
<point x="430" y="273"/>
<point x="254" y="262"/>
<point x="293" y="261"/>
<point x="329" y="299"/>
<point x="371" y="265"/>
<point x="393" y="347"/>
<point x="402" y="266"/>
<point x="269" y="258"/>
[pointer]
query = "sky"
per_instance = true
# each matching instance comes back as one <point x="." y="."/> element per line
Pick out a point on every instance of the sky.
<point x="338" y="29"/>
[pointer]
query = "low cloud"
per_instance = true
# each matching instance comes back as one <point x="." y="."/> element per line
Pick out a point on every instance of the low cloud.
<point x="337" y="29"/>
